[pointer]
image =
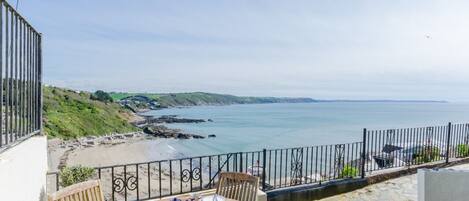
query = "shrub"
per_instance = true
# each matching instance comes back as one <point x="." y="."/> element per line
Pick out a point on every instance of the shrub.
<point x="75" y="174"/>
<point x="463" y="150"/>
<point x="101" y="96"/>
<point x="349" y="172"/>
<point x="427" y="154"/>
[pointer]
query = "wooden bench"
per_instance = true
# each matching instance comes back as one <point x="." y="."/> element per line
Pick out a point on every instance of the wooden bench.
<point x="238" y="186"/>
<point x="85" y="191"/>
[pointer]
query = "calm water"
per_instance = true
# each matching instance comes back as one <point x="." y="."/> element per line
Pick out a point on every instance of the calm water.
<point x="253" y="127"/>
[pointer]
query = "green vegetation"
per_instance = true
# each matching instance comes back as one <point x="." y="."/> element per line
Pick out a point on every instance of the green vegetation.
<point x="349" y="172"/>
<point x="463" y="150"/>
<point x="69" y="114"/>
<point x="75" y="174"/>
<point x="427" y="154"/>
<point x="101" y="96"/>
<point x="201" y="98"/>
<point x="116" y="96"/>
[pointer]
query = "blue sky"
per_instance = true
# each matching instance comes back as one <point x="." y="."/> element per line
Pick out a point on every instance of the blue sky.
<point x="319" y="49"/>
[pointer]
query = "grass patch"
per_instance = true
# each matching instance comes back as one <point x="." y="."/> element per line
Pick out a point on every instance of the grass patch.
<point x="349" y="172"/>
<point x="463" y="150"/>
<point x="75" y="174"/>
<point x="69" y="114"/>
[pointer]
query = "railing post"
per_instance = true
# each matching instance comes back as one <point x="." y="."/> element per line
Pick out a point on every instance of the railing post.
<point x="448" y="137"/>
<point x="264" y="155"/>
<point x="41" y="101"/>
<point x="57" y="181"/>
<point x="363" y="161"/>
<point x="241" y="162"/>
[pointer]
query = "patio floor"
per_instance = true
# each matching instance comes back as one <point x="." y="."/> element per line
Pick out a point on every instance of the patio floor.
<point x="399" y="189"/>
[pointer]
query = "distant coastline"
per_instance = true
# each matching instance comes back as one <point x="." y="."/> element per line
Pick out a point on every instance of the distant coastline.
<point x="141" y="102"/>
<point x="385" y="101"/>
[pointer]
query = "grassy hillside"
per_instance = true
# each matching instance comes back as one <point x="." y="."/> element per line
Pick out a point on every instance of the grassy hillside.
<point x="201" y="98"/>
<point x="68" y="114"/>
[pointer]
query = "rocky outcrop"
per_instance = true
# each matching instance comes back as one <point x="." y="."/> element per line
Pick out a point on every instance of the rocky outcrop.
<point x="165" y="132"/>
<point x="153" y="126"/>
<point x="169" y="119"/>
<point x="173" y="119"/>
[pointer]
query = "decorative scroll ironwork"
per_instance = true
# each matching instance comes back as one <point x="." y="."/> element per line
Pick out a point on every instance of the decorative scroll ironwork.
<point x="296" y="166"/>
<point x="188" y="175"/>
<point x="118" y="185"/>
<point x="130" y="183"/>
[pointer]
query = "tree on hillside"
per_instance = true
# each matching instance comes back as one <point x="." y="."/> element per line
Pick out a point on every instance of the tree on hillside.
<point x="101" y="96"/>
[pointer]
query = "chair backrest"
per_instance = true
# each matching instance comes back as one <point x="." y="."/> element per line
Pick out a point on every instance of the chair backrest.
<point x="85" y="191"/>
<point x="238" y="186"/>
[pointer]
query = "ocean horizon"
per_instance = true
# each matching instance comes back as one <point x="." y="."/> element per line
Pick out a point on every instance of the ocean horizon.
<point x="253" y="127"/>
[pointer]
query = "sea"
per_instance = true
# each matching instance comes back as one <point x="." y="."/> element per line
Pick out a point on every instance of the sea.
<point x="253" y="127"/>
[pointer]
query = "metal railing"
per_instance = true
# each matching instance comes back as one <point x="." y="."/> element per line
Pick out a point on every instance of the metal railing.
<point x="21" y="77"/>
<point x="155" y="179"/>
<point x="283" y="167"/>
<point x="393" y="148"/>
<point x="280" y="168"/>
<point x="309" y="165"/>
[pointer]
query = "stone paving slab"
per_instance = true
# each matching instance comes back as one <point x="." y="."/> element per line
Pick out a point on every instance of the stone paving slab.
<point x="398" y="189"/>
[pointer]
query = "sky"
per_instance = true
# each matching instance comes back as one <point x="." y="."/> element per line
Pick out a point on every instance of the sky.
<point x="320" y="49"/>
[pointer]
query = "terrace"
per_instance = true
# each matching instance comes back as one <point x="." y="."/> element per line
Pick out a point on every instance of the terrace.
<point x="299" y="173"/>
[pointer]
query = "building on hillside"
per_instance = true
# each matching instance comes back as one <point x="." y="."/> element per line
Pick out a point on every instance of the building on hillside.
<point x="139" y="101"/>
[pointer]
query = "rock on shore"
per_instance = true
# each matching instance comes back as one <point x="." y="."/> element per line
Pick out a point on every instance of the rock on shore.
<point x="165" y="132"/>
<point x="169" y="119"/>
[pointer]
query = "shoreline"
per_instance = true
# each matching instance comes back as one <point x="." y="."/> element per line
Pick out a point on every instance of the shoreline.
<point x="120" y="148"/>
<point x="107" y="150"/>
<point x="59" y="150"/>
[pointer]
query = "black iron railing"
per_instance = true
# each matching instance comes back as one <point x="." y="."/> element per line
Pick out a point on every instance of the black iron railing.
<point x="277" y="168"/>
<point x="307" y="165"/>
<point x="280" y="168"/>
<point x="393" y="148"/>
<point x="20" y="77"/>
<point x="139" y="181"/>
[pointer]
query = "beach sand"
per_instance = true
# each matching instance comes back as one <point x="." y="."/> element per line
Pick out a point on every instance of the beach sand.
<point x="141" y="148"/>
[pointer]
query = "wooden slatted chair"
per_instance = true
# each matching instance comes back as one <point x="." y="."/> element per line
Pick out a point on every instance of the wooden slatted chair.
<point x="85" y="191"/>
<point x="238" y="186"/>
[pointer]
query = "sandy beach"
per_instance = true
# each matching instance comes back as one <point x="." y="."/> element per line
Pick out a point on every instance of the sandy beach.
<point x="138" y="148"/>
